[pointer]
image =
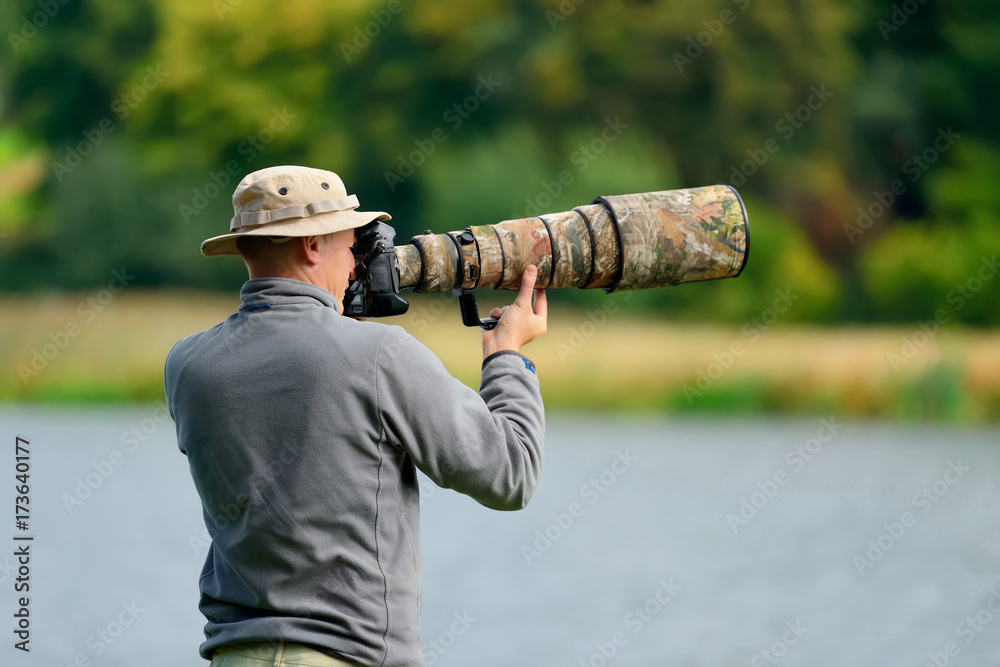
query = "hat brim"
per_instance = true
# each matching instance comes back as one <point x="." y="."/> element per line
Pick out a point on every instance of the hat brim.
<point x="314" y="225"/>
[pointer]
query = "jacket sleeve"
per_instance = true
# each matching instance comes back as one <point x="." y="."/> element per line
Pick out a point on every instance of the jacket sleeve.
<point x="486" y="445"/>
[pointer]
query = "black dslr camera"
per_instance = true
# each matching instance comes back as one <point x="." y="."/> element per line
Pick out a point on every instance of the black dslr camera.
<point x="375" y="291"/>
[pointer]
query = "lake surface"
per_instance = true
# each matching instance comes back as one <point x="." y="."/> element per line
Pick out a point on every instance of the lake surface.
<point x="649" y="542"/>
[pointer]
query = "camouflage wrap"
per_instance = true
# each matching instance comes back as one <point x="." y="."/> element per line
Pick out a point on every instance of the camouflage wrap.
<point x="525" y="241"/>
<point x="468" y="259"/>
<point x="490" y="255"/>
<point x="626" y="242"/>
<point x="679" y="236"/>
<point x="440" y="258"/>
<point x="410" y="265"/>
<point x="606" y="249"/>
<point x="571" y="253"/>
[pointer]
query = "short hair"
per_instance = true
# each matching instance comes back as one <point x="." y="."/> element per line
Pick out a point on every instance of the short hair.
<point x="262" y="248"/>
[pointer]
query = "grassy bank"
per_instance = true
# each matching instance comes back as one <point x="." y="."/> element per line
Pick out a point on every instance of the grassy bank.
<point x="62" y="348"/>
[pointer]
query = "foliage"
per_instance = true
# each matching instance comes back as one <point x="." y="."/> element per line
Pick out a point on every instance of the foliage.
<point x="811" y="108"/>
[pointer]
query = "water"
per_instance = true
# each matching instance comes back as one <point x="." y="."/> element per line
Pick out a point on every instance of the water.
<point x="562" y="583"/>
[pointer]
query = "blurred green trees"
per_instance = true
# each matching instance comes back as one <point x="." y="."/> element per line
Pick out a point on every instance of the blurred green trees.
<point x="127" y="125"/>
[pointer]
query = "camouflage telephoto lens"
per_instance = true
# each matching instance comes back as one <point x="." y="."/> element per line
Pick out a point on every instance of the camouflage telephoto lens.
<point x="625" y="242"/>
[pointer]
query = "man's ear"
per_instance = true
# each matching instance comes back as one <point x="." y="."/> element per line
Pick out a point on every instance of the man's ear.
<point x="310" y="246"/>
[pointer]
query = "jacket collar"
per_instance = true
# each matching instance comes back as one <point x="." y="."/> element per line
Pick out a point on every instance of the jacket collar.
<point x="267" y="292"/>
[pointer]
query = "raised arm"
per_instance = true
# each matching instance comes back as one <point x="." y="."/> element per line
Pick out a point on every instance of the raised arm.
<point x="487" y="445"/>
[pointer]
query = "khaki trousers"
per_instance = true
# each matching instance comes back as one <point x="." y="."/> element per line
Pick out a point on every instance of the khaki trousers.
<point x="274" y="654"/>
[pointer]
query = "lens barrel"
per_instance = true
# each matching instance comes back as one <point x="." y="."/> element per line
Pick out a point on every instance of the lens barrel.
<point x="624" y="242"/>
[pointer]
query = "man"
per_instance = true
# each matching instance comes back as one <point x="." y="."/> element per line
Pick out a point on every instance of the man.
<point x="303" y="429"/>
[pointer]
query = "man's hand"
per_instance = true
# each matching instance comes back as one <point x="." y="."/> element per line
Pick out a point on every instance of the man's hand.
<point x="521" y="322"/>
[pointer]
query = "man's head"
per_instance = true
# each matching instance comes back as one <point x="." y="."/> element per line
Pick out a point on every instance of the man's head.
<point x="294" y="222"/>
<point x="326" y="260"/>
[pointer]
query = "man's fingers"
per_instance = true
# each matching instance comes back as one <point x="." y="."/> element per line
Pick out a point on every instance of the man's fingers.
<point x="527" y="284"/>
<point x="541" y="306"/>
<point x="527" y="316"/>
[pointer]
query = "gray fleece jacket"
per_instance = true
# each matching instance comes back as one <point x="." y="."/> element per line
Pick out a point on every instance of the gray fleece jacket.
<point x="303" y="429"/>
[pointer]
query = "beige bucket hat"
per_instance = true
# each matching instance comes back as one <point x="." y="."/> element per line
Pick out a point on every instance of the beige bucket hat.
<point x="289" y="201"/>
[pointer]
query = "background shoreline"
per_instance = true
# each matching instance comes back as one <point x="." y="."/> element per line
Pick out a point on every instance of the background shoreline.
<point x="67" y="349"/>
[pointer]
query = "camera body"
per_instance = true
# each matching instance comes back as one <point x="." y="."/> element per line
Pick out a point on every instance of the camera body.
<point x="375" y="291"/>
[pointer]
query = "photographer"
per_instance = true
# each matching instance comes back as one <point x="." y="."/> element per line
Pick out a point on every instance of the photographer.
<point x="304" y="428"/>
